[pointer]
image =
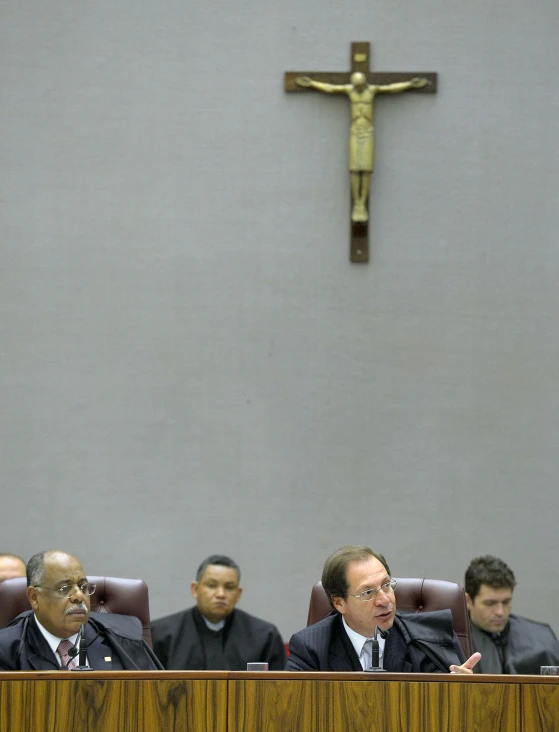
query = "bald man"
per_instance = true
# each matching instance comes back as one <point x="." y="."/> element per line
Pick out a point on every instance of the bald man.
<point x="45" y="637"/>
<point x="11" y="566"/>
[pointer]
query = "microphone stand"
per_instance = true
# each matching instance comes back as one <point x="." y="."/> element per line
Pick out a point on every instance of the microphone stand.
<point x="82" y="653"/>
<point x="375" y="654"/>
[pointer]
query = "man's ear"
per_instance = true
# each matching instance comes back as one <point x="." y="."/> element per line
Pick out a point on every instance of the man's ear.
<point x="239" y="593"/>
<point x="340" y="604"/>
<point x="194" y="589"/>
<point x="469" y="601"/>
<point x="32" y="593"/>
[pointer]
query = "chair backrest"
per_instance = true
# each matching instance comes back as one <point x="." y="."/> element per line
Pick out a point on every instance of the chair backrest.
<point x="112" y="595"/>
<point x="413" y="595"/>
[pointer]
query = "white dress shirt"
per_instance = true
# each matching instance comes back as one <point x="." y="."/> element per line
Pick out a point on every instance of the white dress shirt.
<point x="54" y="642"/>
<point x="364" y="652"/>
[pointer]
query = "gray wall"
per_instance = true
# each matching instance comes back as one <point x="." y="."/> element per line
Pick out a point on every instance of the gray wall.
<point x="190" y="364"/>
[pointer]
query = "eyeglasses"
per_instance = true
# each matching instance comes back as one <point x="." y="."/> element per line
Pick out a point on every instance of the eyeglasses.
<point x="368" y="595"/>
<point x="86" y="588"/>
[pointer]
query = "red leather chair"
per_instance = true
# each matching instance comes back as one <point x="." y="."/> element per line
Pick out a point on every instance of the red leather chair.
<point x="112" y="595"/>
<point x="416" y="596"/>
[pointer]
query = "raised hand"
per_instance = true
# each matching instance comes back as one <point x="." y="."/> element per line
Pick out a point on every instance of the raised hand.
<point x="468" y="666"/>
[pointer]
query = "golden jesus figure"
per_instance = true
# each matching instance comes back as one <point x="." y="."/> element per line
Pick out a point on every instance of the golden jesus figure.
<point x="362" y="133"/>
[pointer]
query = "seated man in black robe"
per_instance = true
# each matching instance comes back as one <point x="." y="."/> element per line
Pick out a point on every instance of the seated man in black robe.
<point x="361" y="591"/>
<point x="509" y="644"/>
<point x="47" y="637"/>
<point x="214" y="634"/>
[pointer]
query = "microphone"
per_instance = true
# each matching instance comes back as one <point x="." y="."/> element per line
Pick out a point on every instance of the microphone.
<point x="375" y="652"/>
<point x="73" y="651"/>
<point x="80" y="647"/>
<point x="82" y="659"/>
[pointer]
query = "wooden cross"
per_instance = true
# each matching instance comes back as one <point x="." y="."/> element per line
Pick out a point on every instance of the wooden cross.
<point x="342" y="81"/>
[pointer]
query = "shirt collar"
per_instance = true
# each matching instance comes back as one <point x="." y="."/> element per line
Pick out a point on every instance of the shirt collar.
<point x="358" y="641"/>
<point x="52" y="640"/>
<point x="213" y="626"/>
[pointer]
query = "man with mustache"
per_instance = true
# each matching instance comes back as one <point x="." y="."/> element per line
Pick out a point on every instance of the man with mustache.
<point x="361" y="591"/>
<point x="215" y="634"/>
<point x="42" y="639"/>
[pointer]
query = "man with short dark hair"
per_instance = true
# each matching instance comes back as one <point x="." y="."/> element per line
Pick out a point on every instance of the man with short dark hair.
<point x="11" y="566"/>
<point x="215" y="634"/>
<point x="361" y="591"/>
<point x="509" y="644"/>
<point x="47" y="637"/>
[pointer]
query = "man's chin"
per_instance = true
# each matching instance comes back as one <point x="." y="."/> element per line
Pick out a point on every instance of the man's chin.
<point x="76" y="621"/>
<point x="217" y="617"/>
<point x="497" y="628"/>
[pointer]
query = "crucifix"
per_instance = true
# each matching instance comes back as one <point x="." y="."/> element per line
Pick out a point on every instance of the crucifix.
<point x="361" y="86"/>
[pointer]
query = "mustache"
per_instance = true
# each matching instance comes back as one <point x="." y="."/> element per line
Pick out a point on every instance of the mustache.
<point x="80" y="608"/>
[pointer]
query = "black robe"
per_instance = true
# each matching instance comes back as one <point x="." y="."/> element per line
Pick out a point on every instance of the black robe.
<point x="416" y="643"/>
<point x="115" y="637"/>
<point x="178" y="641"/>
<point x="522" y="647"/>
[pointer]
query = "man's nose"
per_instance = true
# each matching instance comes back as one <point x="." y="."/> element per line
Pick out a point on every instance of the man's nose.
<point x="77" y="595"/>
<point x="220" y="591"/>
<point x="381" y="598"/>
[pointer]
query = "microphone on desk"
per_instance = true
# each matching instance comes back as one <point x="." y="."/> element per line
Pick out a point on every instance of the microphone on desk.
<point x="80" y="647"/>
<point x="375" y="651"/>
<point x="74" y="650"/>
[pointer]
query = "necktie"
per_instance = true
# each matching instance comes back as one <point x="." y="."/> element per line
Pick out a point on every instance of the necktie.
<point x="367" y="653"/>
<point x="63" y="648"/>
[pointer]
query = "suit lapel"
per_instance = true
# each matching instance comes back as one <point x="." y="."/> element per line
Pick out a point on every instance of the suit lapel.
<point x="39" y="651"/>
<point x="37" y="661"/>
<point x="339" y="661"/>
<point x="342" y="655"/>
<point x="98" y="652"/>
<point x="395" y="653"/>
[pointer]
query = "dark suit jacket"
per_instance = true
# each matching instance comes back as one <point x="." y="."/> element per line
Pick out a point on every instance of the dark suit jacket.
<point x="416" y="643"/>
<point x="118" y="637"/>
<point x="521" y="648"/>
<point x="177" y="642"/>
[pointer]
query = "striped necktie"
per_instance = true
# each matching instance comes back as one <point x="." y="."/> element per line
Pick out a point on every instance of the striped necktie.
<point x="63" y="648"/>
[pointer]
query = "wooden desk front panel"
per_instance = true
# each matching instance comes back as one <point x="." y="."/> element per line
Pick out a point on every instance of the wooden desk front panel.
<point x="540" y="707"/>
<point x="372" y="706"/>
<point x="113" y="705"/>
<point x="205" y="701"/>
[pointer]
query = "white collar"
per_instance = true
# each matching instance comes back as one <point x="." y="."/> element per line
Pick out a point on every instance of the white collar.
<point x="358" y="640"/>
<point x="53" y="641"/>
<point x="213" y="626"/>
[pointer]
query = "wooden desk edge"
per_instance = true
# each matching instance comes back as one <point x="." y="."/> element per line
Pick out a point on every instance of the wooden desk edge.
<point x="276" y="676"/>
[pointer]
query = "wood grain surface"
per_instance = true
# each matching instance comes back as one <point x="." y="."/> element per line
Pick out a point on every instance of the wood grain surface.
<point x="540" y="707"/>
<point x="226" y="701"/>
<point x="105" y="705"/>
<point x="375" y="706"/>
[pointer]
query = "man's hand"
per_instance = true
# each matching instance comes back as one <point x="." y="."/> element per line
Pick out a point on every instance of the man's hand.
<point x="468" y="666"/>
